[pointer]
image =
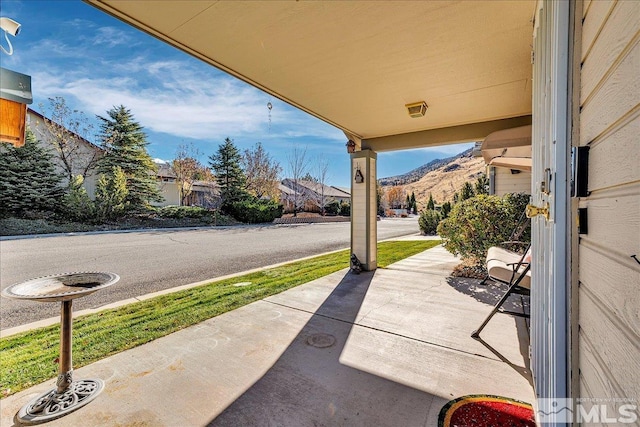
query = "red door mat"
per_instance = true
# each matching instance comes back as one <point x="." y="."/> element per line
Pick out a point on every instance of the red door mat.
<point x="481" y="410"/>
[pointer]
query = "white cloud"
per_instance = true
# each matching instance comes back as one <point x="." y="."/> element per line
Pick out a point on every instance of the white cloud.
<point x="111" y="37"/>
<point x="106" y="66"/>
<point x="184" y="103"/>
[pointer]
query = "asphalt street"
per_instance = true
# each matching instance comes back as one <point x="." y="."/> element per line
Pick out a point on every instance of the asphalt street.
<point x="150" y="261"/>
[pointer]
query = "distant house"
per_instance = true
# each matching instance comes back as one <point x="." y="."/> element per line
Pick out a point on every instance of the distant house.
<point x="203" y="193"/>
<point x="85" y="153"/>
<point x="507" y="154"/>
<point x="308" y="195"/>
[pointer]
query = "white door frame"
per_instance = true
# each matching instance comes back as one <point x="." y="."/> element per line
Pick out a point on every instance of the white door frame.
<point x="551" y="141"/>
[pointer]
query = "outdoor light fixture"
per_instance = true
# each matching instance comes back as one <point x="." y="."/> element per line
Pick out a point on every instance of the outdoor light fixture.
<point x="417" y="109"/>
<point x="351" y="147"/>
<point x="359" y="178"/>
<point x="9" y="26"/>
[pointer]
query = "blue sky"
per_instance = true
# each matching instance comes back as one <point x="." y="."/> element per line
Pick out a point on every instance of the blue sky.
<point x="95" y="62"/>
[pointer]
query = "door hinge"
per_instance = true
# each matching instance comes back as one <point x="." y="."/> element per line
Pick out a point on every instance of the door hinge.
<point x="533" y="211"/>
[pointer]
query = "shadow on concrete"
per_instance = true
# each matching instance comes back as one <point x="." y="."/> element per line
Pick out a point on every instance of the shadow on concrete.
<point x="490" y="293"/>
<point x="524" y="371"/>
<point x="310" y="386"/>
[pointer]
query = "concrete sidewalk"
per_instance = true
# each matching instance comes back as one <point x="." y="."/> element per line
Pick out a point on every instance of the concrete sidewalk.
<point x="387" y="348"/>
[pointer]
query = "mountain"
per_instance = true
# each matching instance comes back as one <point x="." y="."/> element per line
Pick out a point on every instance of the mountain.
<point x="418" y="173"/>
<point x="441" y="178"/>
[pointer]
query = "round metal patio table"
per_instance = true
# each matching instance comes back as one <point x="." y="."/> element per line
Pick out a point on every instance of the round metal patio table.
<point x="68" y="395"/>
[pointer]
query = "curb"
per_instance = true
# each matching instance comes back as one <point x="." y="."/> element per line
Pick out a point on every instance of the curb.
<point x="55" y="320"/>
<point x="312" y="220"/>
<point x="133" y="230"/>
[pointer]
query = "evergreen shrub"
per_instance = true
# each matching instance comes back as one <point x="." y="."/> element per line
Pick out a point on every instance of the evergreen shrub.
<point x="478" y="223"/>
<point x="255" y="211"/>
<point x="29" y="182"/>
<point x="111" y="195"/>
<point x="183" y="212"/>
<point x="332" y="208"/>
<point x="77" y="205"/>
<point x="345" y="209"/>
<point x="428" y="222"/>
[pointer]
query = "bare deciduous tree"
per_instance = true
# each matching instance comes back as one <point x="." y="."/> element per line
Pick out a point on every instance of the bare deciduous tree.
<point x="322" y="173"/>
<point x="67" y="130"/>
<point x="298" y="165"/>
<point x="262" y="172"/>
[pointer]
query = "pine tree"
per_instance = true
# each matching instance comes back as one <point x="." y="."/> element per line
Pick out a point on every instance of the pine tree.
<point x="482" y="185"/>
<point x="125" y="145"/>
<point x="111" y="194"/>
<point x="29" y="180"/>
<point x="414" y="205"/>
<point x="446" y="208"/>
<point x="226" y="166"/>
<point x="431" y="205"/>
<point x="466" y="192"/>
<point x="77" y="205"/>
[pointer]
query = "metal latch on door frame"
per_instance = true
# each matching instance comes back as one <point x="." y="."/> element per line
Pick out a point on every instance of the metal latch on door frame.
<point x="545" y="186"/>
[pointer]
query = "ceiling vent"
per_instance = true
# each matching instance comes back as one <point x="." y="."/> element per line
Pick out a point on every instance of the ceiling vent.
<point x="417" y="109"/>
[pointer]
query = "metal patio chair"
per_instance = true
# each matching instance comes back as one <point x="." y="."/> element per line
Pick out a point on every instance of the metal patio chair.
<point x="512" y="269"/>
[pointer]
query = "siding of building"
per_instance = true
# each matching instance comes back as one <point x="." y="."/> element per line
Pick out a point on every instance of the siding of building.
<point x="609" y="278"/>
<point x="170" y="191"/>
<point x="86" y="151"/>
<point x="309" y="195"/>
<point x="507" y="182"/>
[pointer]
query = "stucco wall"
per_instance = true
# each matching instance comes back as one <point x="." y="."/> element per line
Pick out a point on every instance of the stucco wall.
<point x="84" y="154"/>
<point x="171" y="193"/>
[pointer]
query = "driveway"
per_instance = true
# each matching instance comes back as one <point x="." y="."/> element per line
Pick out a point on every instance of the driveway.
<point x="151" y="261"/>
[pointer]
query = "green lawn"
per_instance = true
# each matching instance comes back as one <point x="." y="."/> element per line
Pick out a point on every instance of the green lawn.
<point x="28" y="358"/>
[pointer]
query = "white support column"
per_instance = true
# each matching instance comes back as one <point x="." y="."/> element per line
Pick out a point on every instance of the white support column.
<point x="364" y="226"/>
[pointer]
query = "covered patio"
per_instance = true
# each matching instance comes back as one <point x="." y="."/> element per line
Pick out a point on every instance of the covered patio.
<point x="389" y="347"/>
<point x="364" y="67"/>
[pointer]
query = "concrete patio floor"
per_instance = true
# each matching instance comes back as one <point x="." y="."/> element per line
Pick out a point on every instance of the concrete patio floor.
<point x="402" y="350"/>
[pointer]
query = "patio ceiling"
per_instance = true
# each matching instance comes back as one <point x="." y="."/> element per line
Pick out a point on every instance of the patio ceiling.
<point x="356" y="64"/>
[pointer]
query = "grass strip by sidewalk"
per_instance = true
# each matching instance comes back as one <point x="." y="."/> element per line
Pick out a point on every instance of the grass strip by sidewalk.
<point x="29" y="358"/>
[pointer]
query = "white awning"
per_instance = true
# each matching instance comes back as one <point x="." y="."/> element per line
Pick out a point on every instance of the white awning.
<point x="518" y="163"/>
<point x="510" y="145"/>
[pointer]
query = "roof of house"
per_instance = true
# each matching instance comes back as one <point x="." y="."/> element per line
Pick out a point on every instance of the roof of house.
<point x="80" y="137"/>
<point x="285" y="189"/>
<point x="165" y="170"/>
<point x="345" y="190"/>
<point x="316" y="187"/>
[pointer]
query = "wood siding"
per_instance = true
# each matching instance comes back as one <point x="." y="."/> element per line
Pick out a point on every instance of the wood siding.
<point x="507" y="182"/>
<point x="13" y="121"/>
<point x="609" y="278"/>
